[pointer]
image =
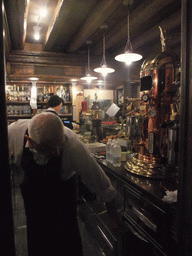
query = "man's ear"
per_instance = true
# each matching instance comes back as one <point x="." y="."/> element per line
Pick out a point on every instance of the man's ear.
<point x="29" y="140"/>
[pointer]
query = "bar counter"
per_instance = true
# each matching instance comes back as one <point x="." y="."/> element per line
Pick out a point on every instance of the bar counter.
<point x="153" y="187"/>
<point x="151" y="223"/>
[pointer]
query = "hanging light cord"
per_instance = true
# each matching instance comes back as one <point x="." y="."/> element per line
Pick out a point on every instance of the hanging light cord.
<point x="128" y="26"/>
<point x="88" y="77"/>
<point x="89" y="69"/>
<point x="128" y="46"/>
<point x="103" y="69"/>
<point x="128" y="56"/>
<point x="103" y="62"/>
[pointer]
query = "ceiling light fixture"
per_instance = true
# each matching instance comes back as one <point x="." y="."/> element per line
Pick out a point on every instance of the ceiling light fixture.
<point x="37" y="32"/>
<point x="128" y="56"/>
<point x="34" y="78"/>
<point x="43" y="12"/>
<point x="88" y="77"/>
<point x="103" y="69"/>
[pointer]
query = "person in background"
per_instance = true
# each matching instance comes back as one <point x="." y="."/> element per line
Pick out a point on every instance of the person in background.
<point x="52" y="156"/>
<point x="55" y="104"/>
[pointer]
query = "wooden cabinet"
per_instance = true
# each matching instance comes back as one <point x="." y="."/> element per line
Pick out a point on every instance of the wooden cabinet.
<point x="149" y="222"/>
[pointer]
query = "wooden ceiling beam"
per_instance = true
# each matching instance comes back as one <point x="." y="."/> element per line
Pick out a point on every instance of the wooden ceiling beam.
<point x="52" y="22"/>
<point x="15" y="10"/>
<point x="25" y="22"/>
<point x="140" y="15"/>
<point x="99" y="16"/>
<point x="45" y="58"/>
<point x="171" y="22"/>
<point x="72" y="13"/>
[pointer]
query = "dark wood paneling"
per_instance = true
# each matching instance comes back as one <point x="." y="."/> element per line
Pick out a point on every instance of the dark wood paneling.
<point x="6" y="219"/>
<point x="52" y="67"/>
<point x="185" y="153"/>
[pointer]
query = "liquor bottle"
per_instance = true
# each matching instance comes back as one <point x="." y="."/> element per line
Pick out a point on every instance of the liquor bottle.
<point x="67" y="94"/>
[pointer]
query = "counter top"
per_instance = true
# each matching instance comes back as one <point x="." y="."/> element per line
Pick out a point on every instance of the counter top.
<point x="155" y="188"/>
<point x="146" y="217"/>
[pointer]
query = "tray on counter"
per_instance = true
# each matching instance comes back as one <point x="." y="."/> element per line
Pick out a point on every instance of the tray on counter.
<point x="149" y="170"/>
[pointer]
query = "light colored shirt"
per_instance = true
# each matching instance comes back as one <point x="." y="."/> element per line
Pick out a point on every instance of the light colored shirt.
<point x="76" y="158"/>
<point x="75" y="126"/>
<point x="52" y="109"/>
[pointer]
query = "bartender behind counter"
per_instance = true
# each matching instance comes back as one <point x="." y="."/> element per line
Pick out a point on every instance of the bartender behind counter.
<point x="55" y="104"/>
<point x="50" y="155"/>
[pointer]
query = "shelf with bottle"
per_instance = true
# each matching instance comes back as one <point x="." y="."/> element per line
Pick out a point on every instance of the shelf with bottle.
<point x="44" y="103"/>
<point x="18" y="93"/>
<point x="17" y="111"/>
<point x="17" y="102"/>
<point x="63" y="91"/>
<point x="18" y="99"/>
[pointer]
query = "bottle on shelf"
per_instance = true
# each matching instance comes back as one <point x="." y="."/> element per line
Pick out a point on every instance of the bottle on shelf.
<point x="67" y="95"/>
<point x="15" y="93"/>
<point x="117" y="154"/>
<point x="108" y="151"/>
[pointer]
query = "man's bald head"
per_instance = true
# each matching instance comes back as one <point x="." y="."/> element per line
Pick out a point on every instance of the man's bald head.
<point x="46" y="129"/>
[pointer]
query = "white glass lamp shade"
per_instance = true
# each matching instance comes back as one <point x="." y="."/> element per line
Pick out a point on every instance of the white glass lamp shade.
<point x="88" y="78"/>
<point x="104" y="70"/>
<point x="36" y="32"/>
<point x="43" y="12"/>
<point x="128" y="57"/>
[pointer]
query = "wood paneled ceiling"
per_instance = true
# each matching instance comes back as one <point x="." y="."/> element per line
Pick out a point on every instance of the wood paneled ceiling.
<point x="70" y="23"/>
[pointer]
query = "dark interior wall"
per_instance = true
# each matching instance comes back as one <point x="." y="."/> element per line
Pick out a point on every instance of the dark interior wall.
<point x="6" y="219"/>
<point x="185" y="152"/>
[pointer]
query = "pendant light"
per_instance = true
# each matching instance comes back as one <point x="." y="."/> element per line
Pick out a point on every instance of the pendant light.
<point x="104" y="69"/>
<point x="88" y="76"/>
<point x="36" y="32"/>
<point x="128" y="56"/>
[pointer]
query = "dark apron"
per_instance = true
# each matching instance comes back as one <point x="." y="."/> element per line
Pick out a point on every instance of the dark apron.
<point x="50" y="207"/>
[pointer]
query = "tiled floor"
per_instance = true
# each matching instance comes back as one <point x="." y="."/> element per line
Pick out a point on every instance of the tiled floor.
<point x="90" y="246"/>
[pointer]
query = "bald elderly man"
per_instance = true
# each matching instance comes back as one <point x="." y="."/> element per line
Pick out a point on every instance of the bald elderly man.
<point x="50" y="156"/>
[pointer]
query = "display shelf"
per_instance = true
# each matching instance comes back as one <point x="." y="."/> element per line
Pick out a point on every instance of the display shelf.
<point x="18" y="110"/>
<point x="64" y="115"/>
<point x="17" y="102"/>
<point x="19" y="107"/>
<point x="19" y="116"/>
